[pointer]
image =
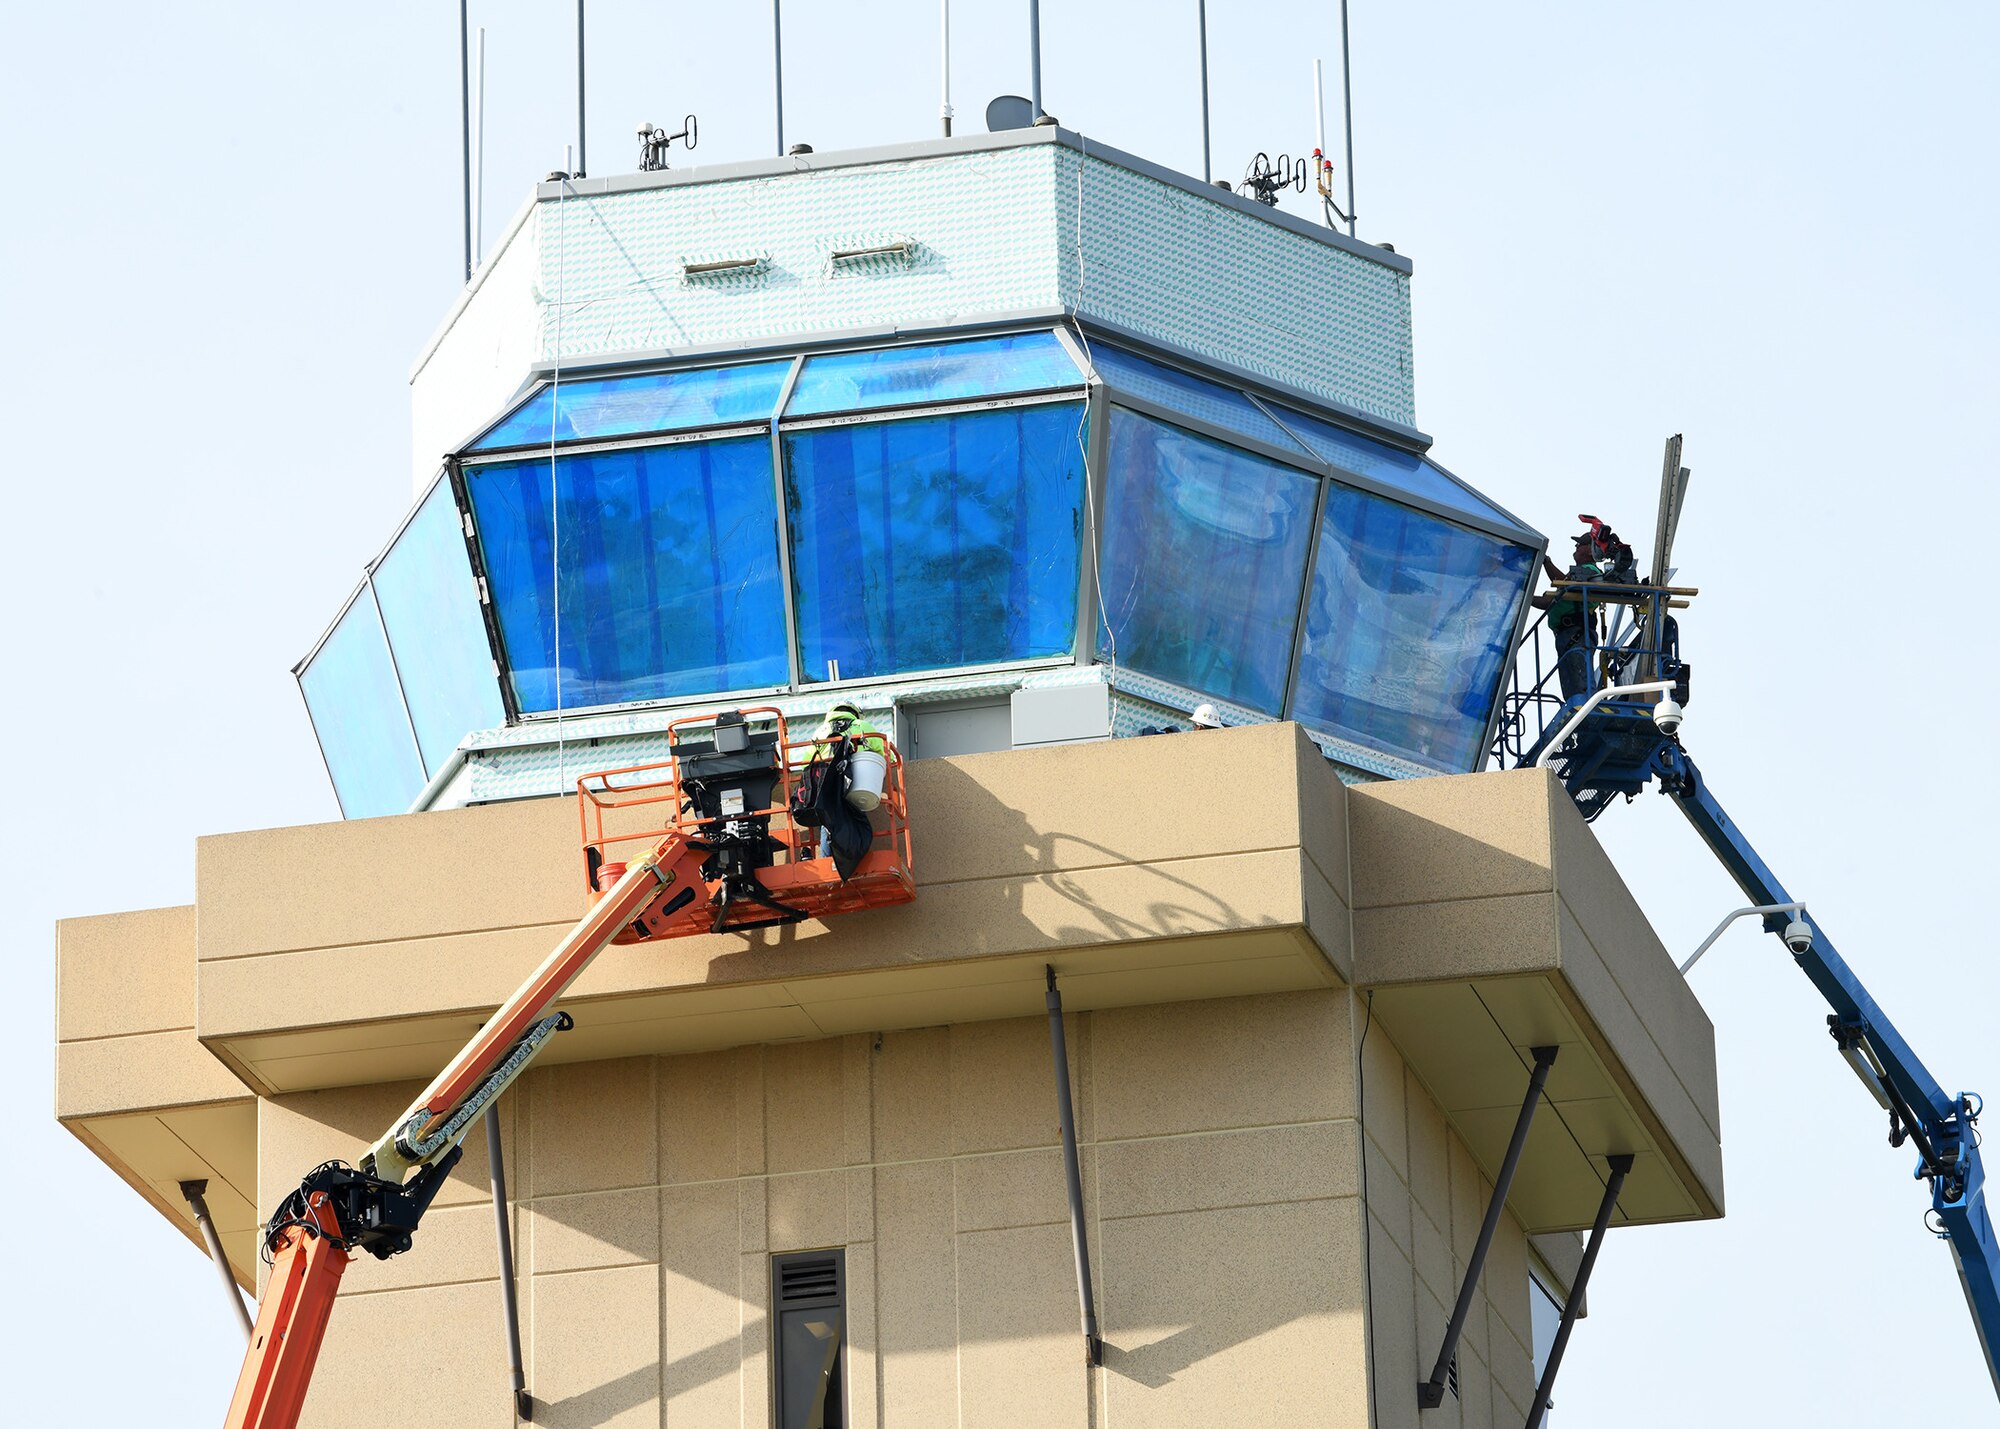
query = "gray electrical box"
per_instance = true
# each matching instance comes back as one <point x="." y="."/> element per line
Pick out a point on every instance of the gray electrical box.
<point x="1062" y="714"/>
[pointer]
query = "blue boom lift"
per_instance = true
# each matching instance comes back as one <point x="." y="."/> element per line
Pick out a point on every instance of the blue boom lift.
<point x="1621" y="732"/>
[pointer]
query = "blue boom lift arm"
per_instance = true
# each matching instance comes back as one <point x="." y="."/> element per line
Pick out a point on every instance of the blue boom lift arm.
<point x="1606" y="739"/>
<point x="1597" y="716"/>
<point x="1942" y="1127"/>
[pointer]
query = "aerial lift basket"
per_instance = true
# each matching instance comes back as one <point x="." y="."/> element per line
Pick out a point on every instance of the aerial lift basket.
<point x="729" y="790"/>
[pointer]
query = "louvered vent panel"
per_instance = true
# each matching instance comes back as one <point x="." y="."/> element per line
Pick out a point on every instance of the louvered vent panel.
<point x="814" y="1279"/>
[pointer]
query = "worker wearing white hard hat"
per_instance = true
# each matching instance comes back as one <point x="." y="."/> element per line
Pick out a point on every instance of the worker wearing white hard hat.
<point x="1206" y="717"/>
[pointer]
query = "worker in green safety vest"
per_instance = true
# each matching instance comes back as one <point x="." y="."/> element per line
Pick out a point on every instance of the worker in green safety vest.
<point x="845" y="720"/>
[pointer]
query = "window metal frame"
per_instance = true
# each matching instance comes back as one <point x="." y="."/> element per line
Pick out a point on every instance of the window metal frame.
<point x="510" y="701"/>
<point x="1310" y="463"/>
<point x="958" y="407"/>
<point x="1096" y="450"/>
<point x="935" y="339"/>
<point x="1305" y="458"/>
<point x="1305" y="464"/>
<point x="592" y="446"/>
<point x="779" y="1259"/>
<point x="793" y="668"/>
<point x="971" y="407"/>
<point x="367" y="588"/>
<point x="1100" y="393"/>
<point x="540" y="383"/>
<point x="1513" y="642"/>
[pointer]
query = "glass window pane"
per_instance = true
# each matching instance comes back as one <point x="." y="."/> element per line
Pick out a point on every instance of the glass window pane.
<point x="936" y="541"/>
<point x="645" y="402"/>
<point x="350" y="687"/>
<point x="1177" y="391"/>
<point x="1204" y="556"/>
<point x="809" y="1342"/>
<point x="1407" y="630"/>
<point x="933" y="372"/>
<point x="1378" y="461"/>
<point x="669" y="572"/>
<point x="431" y="608"/>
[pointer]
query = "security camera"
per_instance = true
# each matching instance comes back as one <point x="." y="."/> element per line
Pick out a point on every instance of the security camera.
<point x="1667" y="716"/>
<point x="1799" y="936"/>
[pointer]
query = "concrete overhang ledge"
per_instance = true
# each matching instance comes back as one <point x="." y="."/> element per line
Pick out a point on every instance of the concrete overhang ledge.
<point x="1473" y="917"/>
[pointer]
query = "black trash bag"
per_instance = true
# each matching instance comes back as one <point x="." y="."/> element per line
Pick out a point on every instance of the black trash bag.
<point x="850" y="833"/>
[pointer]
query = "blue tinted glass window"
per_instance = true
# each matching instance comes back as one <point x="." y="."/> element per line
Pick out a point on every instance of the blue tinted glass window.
<point x="936" y="541"/>
<point x="1204" y="558"/>
<point x="1407" y="630"/>
<point x="431" y="608"/>
<point x="668" y="559"/>
<point x="1177" y="391"/>
<point x="350" y="688"/>
<point x="932" y="372"/>
<point x="645" y="402"/>
<point x="1378" y="461"/>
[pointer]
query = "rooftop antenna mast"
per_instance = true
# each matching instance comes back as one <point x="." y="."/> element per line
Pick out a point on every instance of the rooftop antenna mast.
<point x="581" y="160"/>
<point x="1035" y="56"/>
<point x="1323" y="166"/>
<point x="479" y="147"/>
<point x="778" y="68"/>
<point x="1347" y="113"/>
<point x="465" y="133"/>
<point x="944" y="65"/>
<point x="1201" y="23"/>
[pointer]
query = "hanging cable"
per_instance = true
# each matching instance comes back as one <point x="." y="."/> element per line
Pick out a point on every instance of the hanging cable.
<point x="555" y="489"/>
<point x="1082" y="447"/>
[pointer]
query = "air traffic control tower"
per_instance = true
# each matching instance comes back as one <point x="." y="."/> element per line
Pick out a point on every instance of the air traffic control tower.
<point x="1024" y="446"/>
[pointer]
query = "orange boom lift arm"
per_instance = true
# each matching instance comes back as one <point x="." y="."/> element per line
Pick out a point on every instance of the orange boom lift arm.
<point x="727" y="856"/>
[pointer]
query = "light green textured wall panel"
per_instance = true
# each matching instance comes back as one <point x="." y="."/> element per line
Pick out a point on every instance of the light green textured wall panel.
<point x="1213" y="282"/>
<point x="982" y="224"/>
<point x="993" y="232"/>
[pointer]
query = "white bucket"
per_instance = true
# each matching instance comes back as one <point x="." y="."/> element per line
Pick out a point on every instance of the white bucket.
<point x="865" y="772"/>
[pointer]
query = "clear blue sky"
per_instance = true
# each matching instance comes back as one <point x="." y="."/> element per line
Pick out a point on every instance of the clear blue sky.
<point x="229" y="229"/>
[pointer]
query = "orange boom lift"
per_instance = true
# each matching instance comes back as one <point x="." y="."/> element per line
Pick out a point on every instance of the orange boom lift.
<point x="717" y="847"/>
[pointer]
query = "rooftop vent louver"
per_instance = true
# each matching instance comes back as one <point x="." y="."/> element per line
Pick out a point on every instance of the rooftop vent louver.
<point x="871" y="252"/>
<point x="808" y="1279"/>
<point x="711" y="267"/>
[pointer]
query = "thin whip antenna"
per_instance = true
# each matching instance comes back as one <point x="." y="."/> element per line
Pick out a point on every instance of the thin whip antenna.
<point x="465" y="134"/>
<point x="479" y="154"/>
<point x="1319" y="109"/>
<point x="1201" y="23"/>
<point x="944" y="65"/>
<point x="582" y="162"/>
<point x="1035" y="56"/>
<point x="1347" y="109"/>
<point x="778" y="68"/>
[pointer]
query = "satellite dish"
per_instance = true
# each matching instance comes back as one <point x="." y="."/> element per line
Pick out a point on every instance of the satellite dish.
<point x="1009" y="111"/>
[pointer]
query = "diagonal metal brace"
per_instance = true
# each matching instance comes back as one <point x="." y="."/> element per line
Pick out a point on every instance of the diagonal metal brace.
<point x="195" y="1194"/>
<point x="1430" y="1392"/>
<point x="1620" y="1166"/>
<point x="1093" y="1343"/>
<point x="496" y="1167"/>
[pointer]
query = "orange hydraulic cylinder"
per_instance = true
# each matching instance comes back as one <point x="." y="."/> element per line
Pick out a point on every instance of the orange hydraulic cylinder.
<point x="291" y="1322"/>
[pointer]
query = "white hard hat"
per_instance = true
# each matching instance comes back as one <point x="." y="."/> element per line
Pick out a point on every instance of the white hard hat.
<point x="1205" y="717"/>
